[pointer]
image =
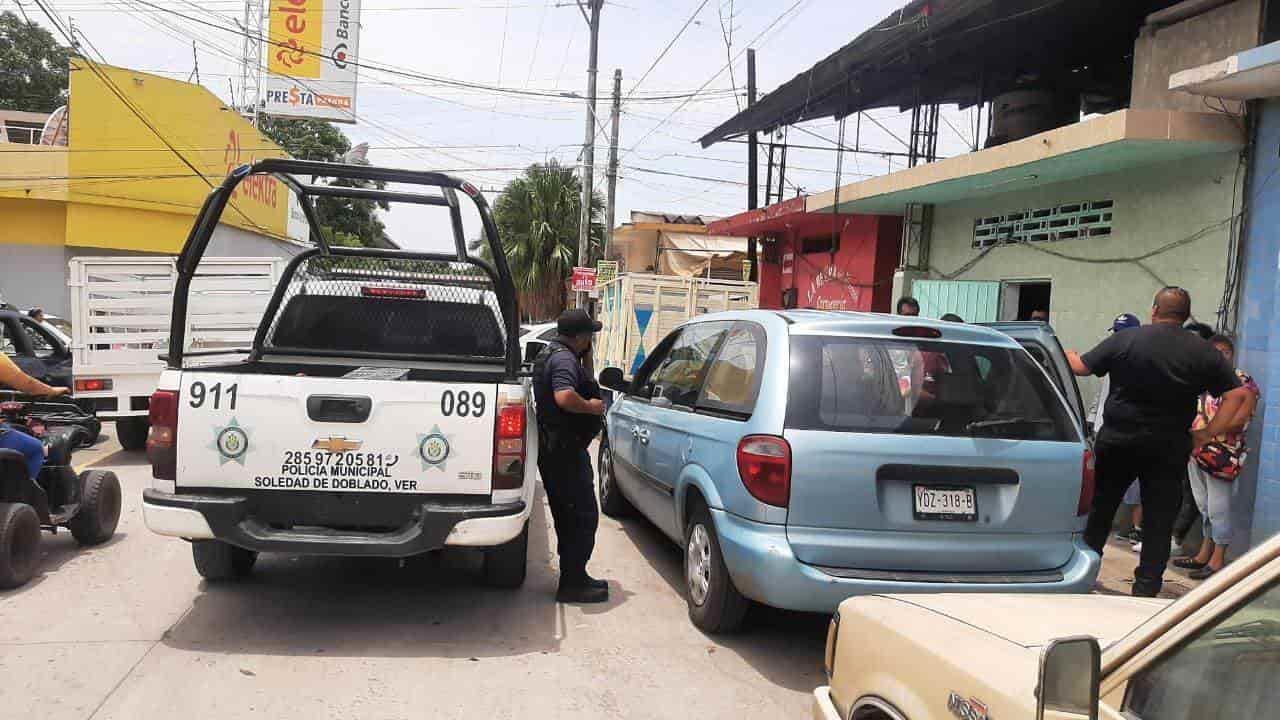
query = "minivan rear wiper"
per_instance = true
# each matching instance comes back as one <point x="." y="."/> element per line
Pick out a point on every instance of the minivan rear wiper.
<point x="1004" y="421"/>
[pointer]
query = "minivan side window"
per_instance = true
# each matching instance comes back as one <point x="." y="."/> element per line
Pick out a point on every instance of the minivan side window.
<point x="681" y="375"/>
<point x="1228" y="670"/>
<point x="733" y="380"/>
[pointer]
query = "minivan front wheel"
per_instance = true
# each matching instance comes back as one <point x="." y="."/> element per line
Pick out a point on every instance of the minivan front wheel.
<point x="715" y="605"/>
<point x="612" y="502"/>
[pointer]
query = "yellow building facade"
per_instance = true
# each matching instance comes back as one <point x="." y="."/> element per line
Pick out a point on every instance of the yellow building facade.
<point x="119" y="188"/>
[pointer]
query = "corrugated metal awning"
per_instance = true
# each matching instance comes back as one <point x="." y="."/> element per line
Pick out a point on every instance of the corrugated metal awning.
<point x="958" y="52"/>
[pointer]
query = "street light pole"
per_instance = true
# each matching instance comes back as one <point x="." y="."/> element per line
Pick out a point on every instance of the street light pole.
<point x="753" y="164"/>
<point x="589" y="145"/>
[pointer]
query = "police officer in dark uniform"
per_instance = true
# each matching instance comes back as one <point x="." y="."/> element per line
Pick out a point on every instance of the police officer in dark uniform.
<point x="569" y="417"/>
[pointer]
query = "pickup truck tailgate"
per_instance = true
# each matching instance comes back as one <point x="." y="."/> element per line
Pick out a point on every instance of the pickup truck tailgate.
<point x="299" y="433"/>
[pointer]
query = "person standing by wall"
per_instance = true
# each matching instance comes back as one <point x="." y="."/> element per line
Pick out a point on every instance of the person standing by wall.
<point x="1214" y="468"/>
<point x="1189" y="514"/>
<point x="569" y="408"/>
<point x="1157" y="373"/>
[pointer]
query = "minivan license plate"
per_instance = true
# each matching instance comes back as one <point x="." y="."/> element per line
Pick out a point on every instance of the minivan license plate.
<point x="933" y="502"/>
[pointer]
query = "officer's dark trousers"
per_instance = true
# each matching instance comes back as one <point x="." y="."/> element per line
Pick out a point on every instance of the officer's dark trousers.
<point x="1159" y="468"/>
<point x="565" y="466"/>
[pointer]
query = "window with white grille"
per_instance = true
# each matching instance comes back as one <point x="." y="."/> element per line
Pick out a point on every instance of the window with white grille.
<point x="1068" y="221"/>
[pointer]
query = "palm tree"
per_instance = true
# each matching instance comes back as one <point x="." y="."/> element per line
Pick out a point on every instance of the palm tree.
<point x="537" y="218"/>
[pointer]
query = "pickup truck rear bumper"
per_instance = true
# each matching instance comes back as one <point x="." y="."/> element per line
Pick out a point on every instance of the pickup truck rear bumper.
<point x="227" y="518"/>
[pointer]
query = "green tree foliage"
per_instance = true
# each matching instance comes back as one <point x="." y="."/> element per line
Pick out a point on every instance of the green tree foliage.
<point x="346" y="221"/>
<point x="33" y="66"/>
<point x="537" y="218"/>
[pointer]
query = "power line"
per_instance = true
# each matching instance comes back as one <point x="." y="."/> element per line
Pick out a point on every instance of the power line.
<point x="366" y="64"/>
<point x="137" y="112"/>
<point x="712" y="79"/>
<point x="666" y="49"/>
<point x="386" y="131"/>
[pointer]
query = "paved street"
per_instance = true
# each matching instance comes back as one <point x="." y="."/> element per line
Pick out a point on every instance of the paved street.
<point x="128" y="630"/>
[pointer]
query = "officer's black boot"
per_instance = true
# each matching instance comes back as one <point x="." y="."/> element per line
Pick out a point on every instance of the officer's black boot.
<point x="580" y="590"/>
<point x="593" y="582"/>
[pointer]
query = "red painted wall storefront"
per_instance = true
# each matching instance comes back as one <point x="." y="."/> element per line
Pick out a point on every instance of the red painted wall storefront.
<point x="807" y="260"/>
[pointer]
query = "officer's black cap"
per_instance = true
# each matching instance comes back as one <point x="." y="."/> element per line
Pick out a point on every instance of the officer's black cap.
<point x="576" y="322"/>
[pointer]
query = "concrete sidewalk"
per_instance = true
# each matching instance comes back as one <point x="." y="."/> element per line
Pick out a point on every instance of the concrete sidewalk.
<point x="1118" y="563"/>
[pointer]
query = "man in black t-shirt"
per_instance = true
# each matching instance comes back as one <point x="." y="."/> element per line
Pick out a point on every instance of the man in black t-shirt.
<point x="569" y="409"/>
<point x="1156" y="372"/>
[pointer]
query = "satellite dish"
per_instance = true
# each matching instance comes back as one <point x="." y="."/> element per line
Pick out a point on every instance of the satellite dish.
<point x="54" y="131"/>
<point x="358" y="155"/>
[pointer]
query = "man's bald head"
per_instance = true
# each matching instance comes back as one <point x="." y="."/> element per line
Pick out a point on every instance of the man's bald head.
<point x="1172" y="305"/>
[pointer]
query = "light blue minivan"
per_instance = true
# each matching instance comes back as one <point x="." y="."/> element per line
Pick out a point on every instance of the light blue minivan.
<point x="801" y="457"/>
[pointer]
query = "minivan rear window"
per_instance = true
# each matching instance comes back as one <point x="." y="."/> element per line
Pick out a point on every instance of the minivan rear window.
<point x="922" y="387"/>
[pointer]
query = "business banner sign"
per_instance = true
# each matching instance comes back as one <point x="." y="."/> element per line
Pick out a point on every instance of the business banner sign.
<point x="584" y="279"/>
<point x="311" y="56"/>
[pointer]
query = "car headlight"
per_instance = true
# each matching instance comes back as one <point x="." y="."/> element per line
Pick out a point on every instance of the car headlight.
<point x="833" y="635"/>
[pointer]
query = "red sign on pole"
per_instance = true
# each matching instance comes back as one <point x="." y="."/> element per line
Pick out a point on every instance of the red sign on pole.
<point x="584" y="279"/>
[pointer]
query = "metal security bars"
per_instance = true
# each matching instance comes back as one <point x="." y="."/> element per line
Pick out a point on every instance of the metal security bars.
<point x="1068" y="221"/>
<point x="385" y="307"/>
<point x="357" y="289"/>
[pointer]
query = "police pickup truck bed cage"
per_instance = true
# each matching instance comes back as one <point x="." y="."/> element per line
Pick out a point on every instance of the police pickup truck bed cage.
<point x="366" y="303"/>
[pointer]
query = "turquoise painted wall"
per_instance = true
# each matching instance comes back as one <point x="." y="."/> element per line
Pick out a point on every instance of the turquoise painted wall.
<point x="1154" y="205"/>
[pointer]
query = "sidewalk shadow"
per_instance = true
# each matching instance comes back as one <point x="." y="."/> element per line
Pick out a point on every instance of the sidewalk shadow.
<point x="433" y="605"/>
<point x="785" y="647"/>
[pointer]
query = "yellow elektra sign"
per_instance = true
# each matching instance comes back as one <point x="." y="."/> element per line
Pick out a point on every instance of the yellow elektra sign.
<point x="295" y="32"/>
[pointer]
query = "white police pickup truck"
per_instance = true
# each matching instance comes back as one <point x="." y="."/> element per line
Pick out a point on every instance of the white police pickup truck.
<point x="379" y="411"/>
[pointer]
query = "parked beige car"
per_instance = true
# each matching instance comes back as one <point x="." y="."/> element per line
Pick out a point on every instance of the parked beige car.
<point x="1215" y="653"/>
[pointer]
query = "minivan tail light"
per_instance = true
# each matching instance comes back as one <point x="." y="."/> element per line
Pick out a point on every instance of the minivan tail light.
<point x="93" y="384"/>
<point x="508" y="446"/>
<point x="1088" y="483"/>
<point x="764" y="464"/>
<point x="162" y="439"/>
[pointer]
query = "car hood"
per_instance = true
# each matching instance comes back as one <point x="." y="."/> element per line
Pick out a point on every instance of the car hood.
<point x="1033" y="620"/>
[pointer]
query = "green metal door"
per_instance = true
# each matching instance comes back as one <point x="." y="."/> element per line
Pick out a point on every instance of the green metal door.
<point x="971" y="300"/>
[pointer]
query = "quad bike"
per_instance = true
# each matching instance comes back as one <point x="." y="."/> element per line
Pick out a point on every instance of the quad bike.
<point x="51" y="416"/>
<point x="87" y="504"/>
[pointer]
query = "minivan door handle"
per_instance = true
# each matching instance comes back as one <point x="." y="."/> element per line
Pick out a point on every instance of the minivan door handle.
<point x="339" y="408"/>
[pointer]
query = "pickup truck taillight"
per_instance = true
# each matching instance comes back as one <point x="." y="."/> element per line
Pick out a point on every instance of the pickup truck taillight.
<point x="508" y="446"/>
<point x="162" y="440"/>
<point x="1087" y="485"/>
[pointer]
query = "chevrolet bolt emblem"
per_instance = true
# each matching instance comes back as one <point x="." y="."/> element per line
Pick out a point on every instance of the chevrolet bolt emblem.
<point x="336" y="444"/>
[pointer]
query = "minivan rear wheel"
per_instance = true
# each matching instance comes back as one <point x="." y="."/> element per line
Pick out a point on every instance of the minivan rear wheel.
<point x="715" y="605"/>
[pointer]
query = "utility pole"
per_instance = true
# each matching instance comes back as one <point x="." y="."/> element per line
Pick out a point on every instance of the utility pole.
<point x="753" y="197"/>
<point x="589" y="146"/>
<point x="614" y="118"/>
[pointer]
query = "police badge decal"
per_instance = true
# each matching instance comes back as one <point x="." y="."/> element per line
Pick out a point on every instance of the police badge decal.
<point x="433" y="449"/>
<point x="231" y="441"/>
